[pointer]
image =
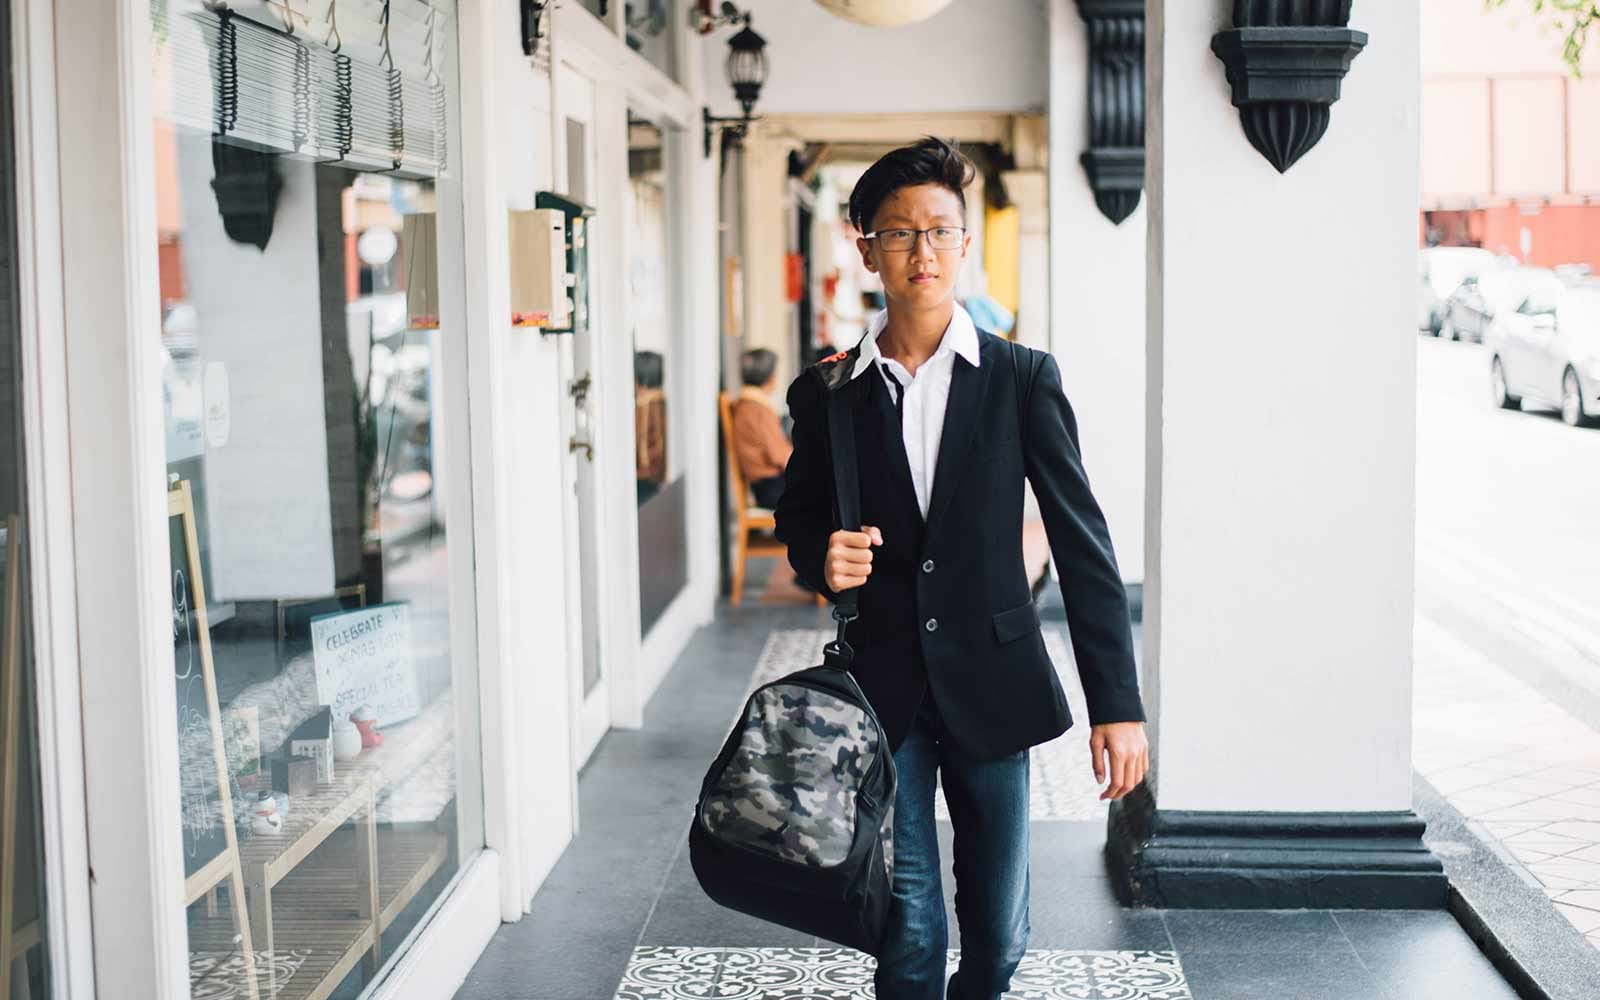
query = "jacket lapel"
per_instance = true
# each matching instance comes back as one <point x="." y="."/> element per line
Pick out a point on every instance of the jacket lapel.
<point x="967" y="385"/>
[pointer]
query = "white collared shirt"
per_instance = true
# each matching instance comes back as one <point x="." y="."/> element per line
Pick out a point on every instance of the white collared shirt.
<point x="926" y="394"/>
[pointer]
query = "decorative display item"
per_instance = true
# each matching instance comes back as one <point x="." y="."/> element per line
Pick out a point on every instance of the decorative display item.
<point x="294" y="775"/>
<point x="366" y="720"/>
<point x="346" y="740"/>
<point x="1286" y="60"/>
<point x="314" y="739"/>
<point x="265" y="819"/>
<point x="241" y="737"/>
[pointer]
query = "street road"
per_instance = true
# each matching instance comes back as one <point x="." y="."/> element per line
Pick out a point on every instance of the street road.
<point x="1508" y="528"/>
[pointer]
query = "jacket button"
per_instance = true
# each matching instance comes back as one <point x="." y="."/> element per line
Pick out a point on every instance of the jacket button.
<point x="927" y="566"/>
<point x="933" y="623"/>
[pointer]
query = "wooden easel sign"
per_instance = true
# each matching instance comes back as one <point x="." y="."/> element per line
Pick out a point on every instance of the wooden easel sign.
<point x="210" y="844"/>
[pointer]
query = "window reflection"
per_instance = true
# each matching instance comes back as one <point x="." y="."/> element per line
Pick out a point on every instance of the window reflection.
<point x="657" y="371"/>
<point x="302" y="367"/>
<point x="649" y="32"/>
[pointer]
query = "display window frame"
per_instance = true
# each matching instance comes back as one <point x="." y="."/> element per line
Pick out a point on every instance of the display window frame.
<point x="107" y="554"/>
<point x="43" y="404"/>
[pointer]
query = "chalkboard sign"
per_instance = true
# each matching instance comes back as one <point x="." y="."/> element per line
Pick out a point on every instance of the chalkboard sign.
<point x="205" y="787"/>
<point x="200" y="789"/>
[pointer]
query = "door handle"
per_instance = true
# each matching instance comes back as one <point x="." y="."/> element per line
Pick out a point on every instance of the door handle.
<point x="578" y="389"/>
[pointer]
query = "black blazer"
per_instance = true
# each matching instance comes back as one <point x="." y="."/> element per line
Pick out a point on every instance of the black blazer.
<point x="947" y="607"/>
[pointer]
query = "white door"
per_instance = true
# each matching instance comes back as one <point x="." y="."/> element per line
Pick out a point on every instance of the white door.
<point x="592" y="713"/>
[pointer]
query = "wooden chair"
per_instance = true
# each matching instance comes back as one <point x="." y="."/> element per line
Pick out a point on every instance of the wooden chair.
<point x="754" y="524"/>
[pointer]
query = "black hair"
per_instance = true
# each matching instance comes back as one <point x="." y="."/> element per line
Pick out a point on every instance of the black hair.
<point x="757" y="365"/>
<point x="930" y="161"/>
<point x="647" y="369"/>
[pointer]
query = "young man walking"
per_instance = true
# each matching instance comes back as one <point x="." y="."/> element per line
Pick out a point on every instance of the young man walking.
<point x="948" y="647"/>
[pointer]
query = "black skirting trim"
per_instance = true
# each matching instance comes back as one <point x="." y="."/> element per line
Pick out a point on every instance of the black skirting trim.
<point x="1191" y="859"/>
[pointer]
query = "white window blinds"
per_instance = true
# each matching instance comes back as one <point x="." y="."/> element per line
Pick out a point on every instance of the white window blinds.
<point x="358" y="82"/>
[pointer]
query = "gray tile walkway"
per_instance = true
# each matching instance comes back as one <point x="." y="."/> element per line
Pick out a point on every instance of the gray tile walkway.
<point x="1523" y="767"/>
<point x="622" y="918"/>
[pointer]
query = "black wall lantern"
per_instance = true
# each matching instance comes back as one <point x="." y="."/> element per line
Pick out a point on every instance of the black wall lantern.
<point x="1114" y="160"/>
<point x="1286" y="60"/>
<point x="747" y="72"/>
<point x="532" y="24"/>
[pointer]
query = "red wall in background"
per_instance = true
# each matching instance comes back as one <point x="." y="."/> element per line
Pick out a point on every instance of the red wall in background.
<point x="1560" y="234"/>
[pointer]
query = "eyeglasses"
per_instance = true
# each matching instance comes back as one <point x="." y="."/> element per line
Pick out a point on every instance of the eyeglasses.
<point x="901" y="240"/>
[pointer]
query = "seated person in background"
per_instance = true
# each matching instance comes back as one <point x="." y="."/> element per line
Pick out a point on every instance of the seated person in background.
<point x="649" y="424"/>
<point x="761" y="448"/>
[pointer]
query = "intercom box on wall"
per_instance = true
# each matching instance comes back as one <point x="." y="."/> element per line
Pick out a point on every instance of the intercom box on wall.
<point x="539" y="276"/>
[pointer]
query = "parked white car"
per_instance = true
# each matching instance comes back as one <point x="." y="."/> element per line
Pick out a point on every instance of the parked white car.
<point x="1547" y="351"/>
<point x="1439" y="271"/>
<point x="1469" y="310"/>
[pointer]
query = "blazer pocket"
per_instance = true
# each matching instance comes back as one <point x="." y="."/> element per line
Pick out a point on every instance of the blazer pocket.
<point x="1014" y="623"/>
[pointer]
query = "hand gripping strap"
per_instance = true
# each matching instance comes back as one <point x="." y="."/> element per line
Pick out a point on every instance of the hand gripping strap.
<point x="847" y="497"/>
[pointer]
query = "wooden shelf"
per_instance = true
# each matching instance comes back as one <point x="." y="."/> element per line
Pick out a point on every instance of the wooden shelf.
<point x="335" y="881"/>
<point x="321" y="933"/>
<point x="312" y="818"/>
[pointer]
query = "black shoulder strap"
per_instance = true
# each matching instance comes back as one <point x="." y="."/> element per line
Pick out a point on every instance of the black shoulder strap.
<point x="847" y="490"/>
<point x="847" y="494"/>
<point x="1024" y="386"/>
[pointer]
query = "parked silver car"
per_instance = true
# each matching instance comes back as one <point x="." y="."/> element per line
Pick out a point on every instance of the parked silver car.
<point x="1470" y="309"/>
<point x="1547" y="351"/>
<point x="1439" y="271"/>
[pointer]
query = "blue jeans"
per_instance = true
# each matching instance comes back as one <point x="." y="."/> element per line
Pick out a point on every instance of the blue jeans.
<point x="988" y="803"/>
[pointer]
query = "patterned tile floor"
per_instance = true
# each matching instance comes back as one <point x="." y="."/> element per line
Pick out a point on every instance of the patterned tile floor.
<point x="1521" y="767"/>
<point x="622" y="917"/>
<point x="678" y="973"/>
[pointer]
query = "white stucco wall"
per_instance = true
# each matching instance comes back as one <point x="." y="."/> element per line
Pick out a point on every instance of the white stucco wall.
<point x="1281" y="445"/>
<point x="1502" y="116"/>
<point x="975" y="55"/>
<point x="1461" y="37"/>
<point x="1097" y="302"/>
<point x="518" y="496"/>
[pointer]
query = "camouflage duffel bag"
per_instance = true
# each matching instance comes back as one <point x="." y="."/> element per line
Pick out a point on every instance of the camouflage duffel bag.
<point x="795" y="819"/>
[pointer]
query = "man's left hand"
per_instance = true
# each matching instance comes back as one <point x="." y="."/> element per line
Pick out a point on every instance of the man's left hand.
<point x="1129" y="753"/>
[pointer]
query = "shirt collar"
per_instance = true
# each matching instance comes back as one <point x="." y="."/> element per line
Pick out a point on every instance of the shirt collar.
<point x="961" y="337"/>
<point x="753" y="392"/>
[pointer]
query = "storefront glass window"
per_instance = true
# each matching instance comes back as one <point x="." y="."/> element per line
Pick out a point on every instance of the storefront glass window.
<point x="24" y="970"/>
<point x="662" y="489"/>
<point x="304" y="181"/>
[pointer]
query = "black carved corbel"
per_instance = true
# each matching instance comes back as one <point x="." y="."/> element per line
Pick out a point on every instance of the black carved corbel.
<point x="1286" y="60"/>
<point x="1114" y="160"/>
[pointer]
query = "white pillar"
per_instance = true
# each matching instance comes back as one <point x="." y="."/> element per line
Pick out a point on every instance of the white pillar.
<point x="1097" y="305"/>
<point x="1277" y="647"/>
<point x="765" y="209"/>
<point x="1030" y="192"/>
